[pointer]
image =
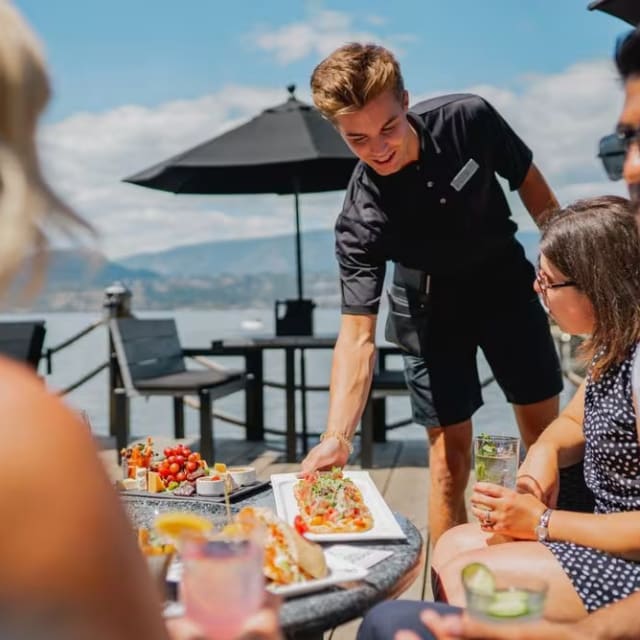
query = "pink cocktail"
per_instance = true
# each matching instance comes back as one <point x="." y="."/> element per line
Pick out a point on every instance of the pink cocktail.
<point x="222" y="583"/>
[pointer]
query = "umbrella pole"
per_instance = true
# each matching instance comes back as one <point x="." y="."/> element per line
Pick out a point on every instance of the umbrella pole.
<point x="298" y="244"/>
<point x="303" y="372"/>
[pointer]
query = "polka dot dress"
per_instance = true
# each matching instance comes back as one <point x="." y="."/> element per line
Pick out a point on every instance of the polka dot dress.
<point x="612" y="472"/>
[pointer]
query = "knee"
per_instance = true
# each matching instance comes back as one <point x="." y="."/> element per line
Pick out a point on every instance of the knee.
<point x="449" y="578"/>
<point x="385" y="619"/>
<point x="381" y="622"/>
<point x="453" y="543"/>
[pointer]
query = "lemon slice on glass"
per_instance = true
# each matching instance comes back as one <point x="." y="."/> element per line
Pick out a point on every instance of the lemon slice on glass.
<point x="477" y="577"/>
<point x="509" y="604"/>
<point x="178" y="523"/>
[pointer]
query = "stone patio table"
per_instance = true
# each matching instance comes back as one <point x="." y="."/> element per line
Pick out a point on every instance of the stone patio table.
<point x="308" y="616"/>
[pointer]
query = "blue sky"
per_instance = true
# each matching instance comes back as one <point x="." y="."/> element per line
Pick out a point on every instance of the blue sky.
<point x="136" y="81"/>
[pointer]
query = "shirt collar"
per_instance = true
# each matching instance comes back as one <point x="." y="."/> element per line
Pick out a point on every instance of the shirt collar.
<point x="428" y="144"/>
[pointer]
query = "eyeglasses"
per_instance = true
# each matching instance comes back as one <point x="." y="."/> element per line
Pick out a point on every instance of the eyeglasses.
<point x="544" y="284"/>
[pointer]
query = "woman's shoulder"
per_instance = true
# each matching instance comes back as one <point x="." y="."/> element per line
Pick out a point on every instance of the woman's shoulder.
<point x="28" y="408"/>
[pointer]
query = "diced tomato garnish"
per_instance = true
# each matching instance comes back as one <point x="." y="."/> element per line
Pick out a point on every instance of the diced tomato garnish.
<point x="300" y="525"/>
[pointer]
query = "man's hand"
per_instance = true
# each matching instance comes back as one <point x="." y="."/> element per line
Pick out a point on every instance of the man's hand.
<point x="455" y="627"/>
<point x="329" y="453"/>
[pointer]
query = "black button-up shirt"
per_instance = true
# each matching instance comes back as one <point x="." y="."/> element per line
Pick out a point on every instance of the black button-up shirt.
<point x="445" y="214"/>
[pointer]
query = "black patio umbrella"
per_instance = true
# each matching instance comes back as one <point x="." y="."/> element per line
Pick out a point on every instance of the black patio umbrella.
<point x="627" y="10"/>
<point x="287" y="149"/>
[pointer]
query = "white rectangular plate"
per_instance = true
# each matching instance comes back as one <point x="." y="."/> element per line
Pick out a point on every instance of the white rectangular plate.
<point x="339" y="571"/>
<point x="385" y="526"/>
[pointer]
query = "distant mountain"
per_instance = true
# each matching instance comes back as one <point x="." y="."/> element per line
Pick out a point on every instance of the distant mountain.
<point x="240" y="273"/>
<point x="259" y="255"/>
<point x="274" y="254"/>
<point x="82" y="268"/>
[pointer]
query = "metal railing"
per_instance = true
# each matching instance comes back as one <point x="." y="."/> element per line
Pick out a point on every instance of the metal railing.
<point x="117" y="304"/>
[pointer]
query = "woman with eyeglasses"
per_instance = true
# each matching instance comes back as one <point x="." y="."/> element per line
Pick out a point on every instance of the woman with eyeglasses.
<point x="589" y="280"/>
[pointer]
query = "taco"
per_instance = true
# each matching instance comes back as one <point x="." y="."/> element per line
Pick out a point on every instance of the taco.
<point x="288" y="556"/>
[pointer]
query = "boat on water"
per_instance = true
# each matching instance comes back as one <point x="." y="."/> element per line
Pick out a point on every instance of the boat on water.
<point x="252" y="324"/>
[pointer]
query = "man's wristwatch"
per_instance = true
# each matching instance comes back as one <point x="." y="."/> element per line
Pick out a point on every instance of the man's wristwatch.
<point x="542" y="530"/>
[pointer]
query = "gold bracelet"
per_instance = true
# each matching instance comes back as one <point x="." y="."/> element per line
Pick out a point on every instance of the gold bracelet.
<point x="341" y="438"/>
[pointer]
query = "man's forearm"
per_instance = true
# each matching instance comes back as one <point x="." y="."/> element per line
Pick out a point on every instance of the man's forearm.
<point x="536" y="195"/>
<point x="351" y="373"/>
<point x="616" y="622"/>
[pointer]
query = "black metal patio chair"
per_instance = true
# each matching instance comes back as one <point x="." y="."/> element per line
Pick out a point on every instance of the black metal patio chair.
<point x="23" y="341"/>
<point x="151" y="363"/>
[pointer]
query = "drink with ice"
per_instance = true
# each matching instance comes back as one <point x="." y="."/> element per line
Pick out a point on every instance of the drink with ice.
<point x="504" y="597"/>
<point x="222" y="583"/>
<point x="496" y="459"/>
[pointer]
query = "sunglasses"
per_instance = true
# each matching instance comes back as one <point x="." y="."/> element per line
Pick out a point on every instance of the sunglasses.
<point x="613" y="149"/>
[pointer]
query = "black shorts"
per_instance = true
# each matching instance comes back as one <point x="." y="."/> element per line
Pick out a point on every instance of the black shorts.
<point x="502" y="316"/>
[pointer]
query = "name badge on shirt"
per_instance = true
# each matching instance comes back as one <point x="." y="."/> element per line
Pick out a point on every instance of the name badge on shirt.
<point x="464" y="175"/>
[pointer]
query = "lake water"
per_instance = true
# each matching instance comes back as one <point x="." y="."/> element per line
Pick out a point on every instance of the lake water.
<point x="197" y="328"/>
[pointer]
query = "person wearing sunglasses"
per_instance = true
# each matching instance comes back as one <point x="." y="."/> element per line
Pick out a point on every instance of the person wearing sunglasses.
<point x="620" y="151"/>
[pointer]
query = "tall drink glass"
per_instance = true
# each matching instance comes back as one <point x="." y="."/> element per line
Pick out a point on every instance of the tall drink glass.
<point x="496" y="459"/>
<point x="222" y="582"/>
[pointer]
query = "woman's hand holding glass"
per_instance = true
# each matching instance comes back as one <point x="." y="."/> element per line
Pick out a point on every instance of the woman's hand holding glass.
<point x="505" y="511"/>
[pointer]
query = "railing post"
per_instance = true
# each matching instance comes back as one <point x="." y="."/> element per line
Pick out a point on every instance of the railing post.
<point x="117" y="304"/>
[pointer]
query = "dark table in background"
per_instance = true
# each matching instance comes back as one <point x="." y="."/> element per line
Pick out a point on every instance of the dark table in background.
<point x="252" y="350"/>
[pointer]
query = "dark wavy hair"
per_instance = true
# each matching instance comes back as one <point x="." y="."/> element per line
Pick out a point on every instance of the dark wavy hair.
<point x="595" y="242"/>
<point x="627" y="54"/>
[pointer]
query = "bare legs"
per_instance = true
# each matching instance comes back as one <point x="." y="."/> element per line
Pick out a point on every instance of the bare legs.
<point x="533" y="418"/>
<point x="449" y="466"/>
<point x="511" y="558"/>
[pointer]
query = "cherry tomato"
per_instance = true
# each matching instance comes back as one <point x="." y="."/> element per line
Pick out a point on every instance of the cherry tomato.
<point x="186" y="451"/>
<point x="194" y="457"/>
<point x="180" y="459"/>
<point x="192" y="466"/>
<point x="169" y="479"/>
<point x="181" y="476"/>
<point x="174" y="468"/>
<point x="300" y="525"/>
<point x="168" y="452"/>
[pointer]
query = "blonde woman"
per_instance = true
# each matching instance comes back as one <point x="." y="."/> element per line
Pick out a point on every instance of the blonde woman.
<point x="68" y="560"/>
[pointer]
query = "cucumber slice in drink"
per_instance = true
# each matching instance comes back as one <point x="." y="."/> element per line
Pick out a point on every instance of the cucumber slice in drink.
<point x="509" y="604"/>
<point x="478" y="578"/>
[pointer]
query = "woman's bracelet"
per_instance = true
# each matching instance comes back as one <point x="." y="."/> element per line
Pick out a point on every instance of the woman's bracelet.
<point x="340" y="437"/>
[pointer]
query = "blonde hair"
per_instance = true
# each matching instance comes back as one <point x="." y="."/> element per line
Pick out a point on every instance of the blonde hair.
<point x="353" y="75"/>
<point x="27" y="203"/>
